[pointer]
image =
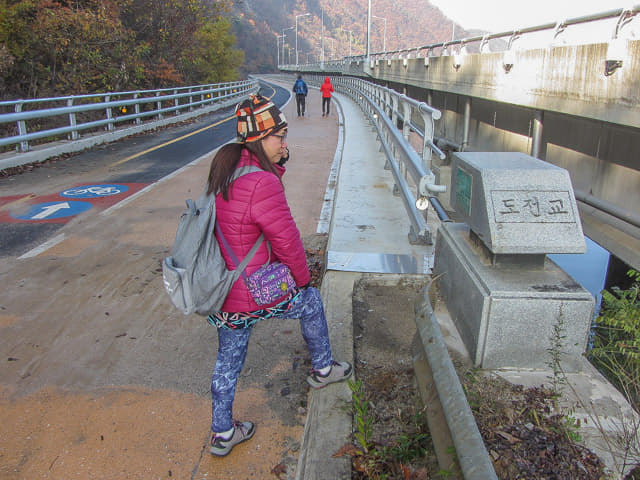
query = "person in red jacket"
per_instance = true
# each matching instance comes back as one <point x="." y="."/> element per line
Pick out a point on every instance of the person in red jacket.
<point x="247" y="207"/>
<point x="326" y="88"/>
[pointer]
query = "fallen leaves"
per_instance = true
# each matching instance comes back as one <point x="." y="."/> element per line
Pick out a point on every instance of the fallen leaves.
<point x="523" y="435"/>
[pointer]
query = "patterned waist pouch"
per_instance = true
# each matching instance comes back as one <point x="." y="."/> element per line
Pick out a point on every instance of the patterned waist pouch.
<point x="235" y="320"/>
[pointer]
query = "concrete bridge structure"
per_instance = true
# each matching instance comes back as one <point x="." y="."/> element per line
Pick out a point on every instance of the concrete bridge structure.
<point x="575" y="106"/>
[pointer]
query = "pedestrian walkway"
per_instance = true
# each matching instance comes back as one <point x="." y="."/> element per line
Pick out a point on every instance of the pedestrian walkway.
<point x="103" y="379"/>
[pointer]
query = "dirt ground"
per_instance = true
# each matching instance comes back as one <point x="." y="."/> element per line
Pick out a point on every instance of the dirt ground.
<point x="102" y="379"/>
<point x="384" y="329"/>
<point x="523" y="435"/>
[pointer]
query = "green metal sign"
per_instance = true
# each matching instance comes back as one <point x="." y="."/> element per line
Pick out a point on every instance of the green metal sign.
<point x="463" y="191"/>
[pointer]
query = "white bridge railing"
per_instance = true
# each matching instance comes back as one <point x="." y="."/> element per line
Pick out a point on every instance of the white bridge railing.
<point x="616" y="20"/>
<point x="65" y="118"/>
<point x="392" y="114"/>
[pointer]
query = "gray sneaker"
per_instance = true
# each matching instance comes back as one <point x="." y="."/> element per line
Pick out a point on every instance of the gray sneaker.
<point x="339" y="371"/>
<point x="242" y="431"/>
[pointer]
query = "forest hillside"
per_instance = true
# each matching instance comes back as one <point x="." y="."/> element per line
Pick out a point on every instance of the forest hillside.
<point x="71" y="47"/>
<point x="342" y="24"/>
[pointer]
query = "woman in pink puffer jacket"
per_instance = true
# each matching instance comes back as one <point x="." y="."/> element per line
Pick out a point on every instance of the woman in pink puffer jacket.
<point x="247" y="207"/>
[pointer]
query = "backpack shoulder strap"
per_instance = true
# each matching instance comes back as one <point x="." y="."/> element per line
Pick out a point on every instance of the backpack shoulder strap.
<point x="240" y="266"/>
<point x="239" y="172"/>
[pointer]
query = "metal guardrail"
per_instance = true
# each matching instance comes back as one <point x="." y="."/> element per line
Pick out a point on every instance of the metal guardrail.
<point x="385" y="108"/>
<point x="471" y="453"/>
<point x="111" y="109"/>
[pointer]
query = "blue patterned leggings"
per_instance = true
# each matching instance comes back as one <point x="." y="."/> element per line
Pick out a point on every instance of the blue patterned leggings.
<point x="232" y="351"/>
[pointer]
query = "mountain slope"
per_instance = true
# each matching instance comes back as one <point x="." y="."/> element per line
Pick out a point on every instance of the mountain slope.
<point x="341" y="23"/>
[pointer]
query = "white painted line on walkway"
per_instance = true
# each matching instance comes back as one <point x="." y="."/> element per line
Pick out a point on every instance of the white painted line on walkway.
<point x="324" y="221"/>
<point x="52" y="242"/>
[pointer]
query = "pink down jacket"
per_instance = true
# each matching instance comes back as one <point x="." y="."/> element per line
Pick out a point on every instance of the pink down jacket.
<point x="257" y="203"/>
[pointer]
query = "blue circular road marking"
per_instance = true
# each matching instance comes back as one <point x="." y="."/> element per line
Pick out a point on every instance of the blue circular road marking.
<point x="49" y="210"/>
<point x="94" y="191"/>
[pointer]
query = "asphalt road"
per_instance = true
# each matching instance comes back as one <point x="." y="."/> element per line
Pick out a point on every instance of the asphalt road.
<point x="34" y="205"/>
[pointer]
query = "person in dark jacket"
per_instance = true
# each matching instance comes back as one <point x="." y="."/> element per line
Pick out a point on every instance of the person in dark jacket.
<point x="301" y="90"/>
<point x="247" y="207"/>
<point x="326" y="88"/>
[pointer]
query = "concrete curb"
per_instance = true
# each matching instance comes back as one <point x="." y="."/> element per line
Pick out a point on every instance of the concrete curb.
<point x="329" y="420"/>
<point x="328" y="425"/>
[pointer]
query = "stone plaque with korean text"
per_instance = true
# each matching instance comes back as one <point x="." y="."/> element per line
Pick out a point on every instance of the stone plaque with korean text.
<point x="532" y="206"/>
<point x="516" y="204"/>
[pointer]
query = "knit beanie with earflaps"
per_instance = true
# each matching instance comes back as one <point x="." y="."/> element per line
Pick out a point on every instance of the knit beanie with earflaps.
<point x="257" y="118"/>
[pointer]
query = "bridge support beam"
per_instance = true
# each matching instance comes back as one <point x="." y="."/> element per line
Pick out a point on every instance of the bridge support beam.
<point x="536" y="140"/>
<point x="467" y="123"/>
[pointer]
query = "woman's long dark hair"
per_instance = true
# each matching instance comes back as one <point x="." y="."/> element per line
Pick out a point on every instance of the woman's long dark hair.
<point x="226" y="161"/>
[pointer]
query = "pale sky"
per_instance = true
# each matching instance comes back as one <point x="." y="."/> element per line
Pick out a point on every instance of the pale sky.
<point x="502" y="15"/>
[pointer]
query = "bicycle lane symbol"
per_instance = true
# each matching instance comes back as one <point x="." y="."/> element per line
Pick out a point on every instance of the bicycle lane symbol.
<point x="94" y="191"/>
<point x="51" y="208"/>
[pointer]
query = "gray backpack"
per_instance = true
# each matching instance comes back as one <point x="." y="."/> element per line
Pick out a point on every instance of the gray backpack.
<point x="195" y="275"/>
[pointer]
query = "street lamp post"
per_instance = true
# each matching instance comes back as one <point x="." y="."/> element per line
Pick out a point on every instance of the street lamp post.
<point x="369" y="31"/>
<point x="322" y="42"/>
<point x="278" y="37"/>
<point x="349" y="38"/>
<point x="298" y="16"/>
<point x="384" y="41"/>
<point x="283" y="35"/>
